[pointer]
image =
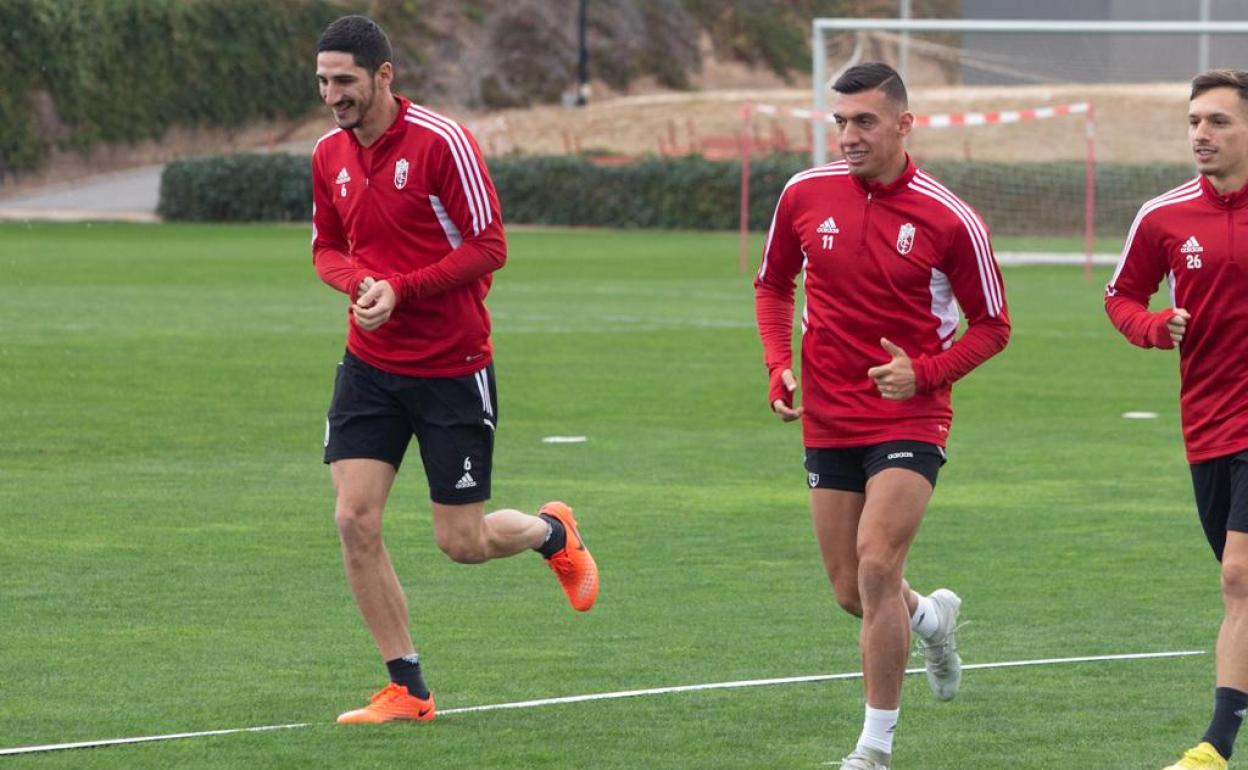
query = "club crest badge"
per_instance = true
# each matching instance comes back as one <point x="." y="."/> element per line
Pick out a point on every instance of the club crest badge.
<point x="812" y="479"/>
<point x="905" y="239"/>
<point x="400" y="173"/>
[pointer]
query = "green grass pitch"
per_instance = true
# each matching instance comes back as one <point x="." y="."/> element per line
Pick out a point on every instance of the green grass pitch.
<point x="169" y="563"/>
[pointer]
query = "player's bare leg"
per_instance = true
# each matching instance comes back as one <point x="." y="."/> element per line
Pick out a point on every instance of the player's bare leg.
<point x="835" y="514"/>
<point x="361" y="488"/>
<point x="895" y="503"/>
<point x="467" y="535"/>
<point x="1232" y="648"/>
<point x="838" y="519"/>
<point x="1232" y="663"/>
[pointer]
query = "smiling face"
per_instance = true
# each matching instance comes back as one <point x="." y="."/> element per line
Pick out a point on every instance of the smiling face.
<point x="1217" y="127"/>
<point x="872" y="131"/>
<point x="356" y="97"/>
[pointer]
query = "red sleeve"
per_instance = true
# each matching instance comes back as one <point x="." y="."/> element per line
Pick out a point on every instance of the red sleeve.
<point x="976" y="282"/>
<point x="329" y="241"/>
<point x="473" y="221"/>
<point x="774" y="288"/>
<point x="1140" y="270"/>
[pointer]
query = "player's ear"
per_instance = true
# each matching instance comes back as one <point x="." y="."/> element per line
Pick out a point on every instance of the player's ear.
<point x="905" y="122"/>
<point x="385" y="74"/>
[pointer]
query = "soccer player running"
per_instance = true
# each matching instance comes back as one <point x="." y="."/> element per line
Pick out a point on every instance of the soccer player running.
<point x="406" y="223"/>
<point x="1196" y="238"/>
<point x="889" y="254"/>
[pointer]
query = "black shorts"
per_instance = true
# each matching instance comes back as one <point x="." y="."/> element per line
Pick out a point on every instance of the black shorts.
<point x="1221" y="487"/>
<point x="848" y="468"/>
<point x="374" y="415"/>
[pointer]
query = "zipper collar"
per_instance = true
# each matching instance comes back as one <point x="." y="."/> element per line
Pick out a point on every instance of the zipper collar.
<point x="877" y="190"/>
<point x="1232" y="200"/>
<point x="390" y="134"/>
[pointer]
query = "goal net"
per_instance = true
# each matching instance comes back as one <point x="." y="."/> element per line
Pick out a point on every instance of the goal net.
<point x="1055" y="131"/>
<point x="1047" y="204"/>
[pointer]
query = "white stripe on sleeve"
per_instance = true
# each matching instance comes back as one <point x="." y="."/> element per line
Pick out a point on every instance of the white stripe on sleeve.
<point x="1184" y="192"/>
<point x="465" y="160"/>
<point x="453" y="235"/>
<point x="837" y="168"/>
<point x="991" y="286"/>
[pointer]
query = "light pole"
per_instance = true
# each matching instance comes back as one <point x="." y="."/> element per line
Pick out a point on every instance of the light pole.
<point x="582" y="66"/>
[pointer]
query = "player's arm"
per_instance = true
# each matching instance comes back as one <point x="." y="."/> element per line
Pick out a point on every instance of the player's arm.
<point x="774" y="288"/>
<point x="473" y="222"/>
<point x="977" y="286"/>
<point x="329" y="240"/>
<point x="1141" y="268"/>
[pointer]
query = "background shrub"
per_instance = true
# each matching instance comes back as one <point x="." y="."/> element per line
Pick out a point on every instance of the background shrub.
<point x="238" y="188"/>
<point x="1037" y="199"/>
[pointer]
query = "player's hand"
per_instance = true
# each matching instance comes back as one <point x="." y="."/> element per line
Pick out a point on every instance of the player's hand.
<point x="894" y="380"/>
<point x="782" y="406"/>
<point x="374" y="306"/>
<point x="364" y="286"/>
<point x="1177" y="324"/>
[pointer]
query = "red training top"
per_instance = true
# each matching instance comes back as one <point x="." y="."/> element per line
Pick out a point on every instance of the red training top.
<point x="416" y="208"/>
<point x="880" y="261"/>
<point x="1188" y="237"/>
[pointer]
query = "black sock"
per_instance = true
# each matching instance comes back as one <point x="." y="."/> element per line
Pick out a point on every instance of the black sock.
<point x="406" y="671"/>
<point x="1228" y="713"/>
<point x="558" y="537"/>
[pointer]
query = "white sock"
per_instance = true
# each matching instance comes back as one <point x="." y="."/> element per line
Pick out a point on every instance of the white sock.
<point x="925" y="621"/>
<point x="878" y="728"/>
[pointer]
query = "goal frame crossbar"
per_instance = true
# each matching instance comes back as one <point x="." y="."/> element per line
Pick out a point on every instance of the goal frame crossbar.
<point x="821" y="27"/>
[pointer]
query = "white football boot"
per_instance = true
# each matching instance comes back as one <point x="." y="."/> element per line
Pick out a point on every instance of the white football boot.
<point x="866" y="759"/>
<point x="940" y="653"/>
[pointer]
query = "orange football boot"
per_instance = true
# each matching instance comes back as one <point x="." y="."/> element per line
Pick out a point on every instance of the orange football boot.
<point x="391" y="703"/>
<point x="574" y="566"/>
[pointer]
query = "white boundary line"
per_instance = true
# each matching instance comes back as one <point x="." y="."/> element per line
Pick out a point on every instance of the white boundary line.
<point x="1017" y="258"/>
<point x="611" y="696"/>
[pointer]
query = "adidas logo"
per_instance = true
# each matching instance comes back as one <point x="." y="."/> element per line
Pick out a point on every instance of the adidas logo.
<point x="828" y="227"/>
<point x="343" y="177"/>
<point x="1192" y="246"/>
<point x="465" y="482"/>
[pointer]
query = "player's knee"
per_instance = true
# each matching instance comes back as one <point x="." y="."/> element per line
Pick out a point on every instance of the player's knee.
<point x="1235" y="579"/>
<point x="849" y="599"/>
<point x="464" y="550"/>
<point x="878" y="570"/>
<point x="358" y="526"/>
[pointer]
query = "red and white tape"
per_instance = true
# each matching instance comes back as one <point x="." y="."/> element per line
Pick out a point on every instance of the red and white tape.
<point x="948" y="119"/>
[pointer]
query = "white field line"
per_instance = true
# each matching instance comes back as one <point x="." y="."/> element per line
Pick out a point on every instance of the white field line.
<point x="611" y="696"/>
<point x="1053" y="258"/>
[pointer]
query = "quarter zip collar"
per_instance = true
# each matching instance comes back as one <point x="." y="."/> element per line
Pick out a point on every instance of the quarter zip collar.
<point x="877" y="190"/>
<point x="1233" y="200"/>
<point x="390" y="134"/>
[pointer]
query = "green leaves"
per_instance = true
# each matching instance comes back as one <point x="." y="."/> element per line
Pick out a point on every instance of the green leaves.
<point x="125" y="70"/>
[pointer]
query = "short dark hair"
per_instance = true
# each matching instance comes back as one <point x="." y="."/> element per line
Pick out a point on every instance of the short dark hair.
<point x="871" y="76"/>
<point x="1211" y="79"/>
<point x="359" y="36"/>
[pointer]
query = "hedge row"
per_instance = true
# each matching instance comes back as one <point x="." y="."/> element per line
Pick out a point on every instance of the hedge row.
<point x="237" y="188"/>
<point x="81" y="72"/>
<point x="686" y="193"/>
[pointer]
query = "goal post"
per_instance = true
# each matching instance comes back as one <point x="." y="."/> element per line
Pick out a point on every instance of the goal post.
<point x="1020" y="182"/>
<point x="823" y="26"/>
